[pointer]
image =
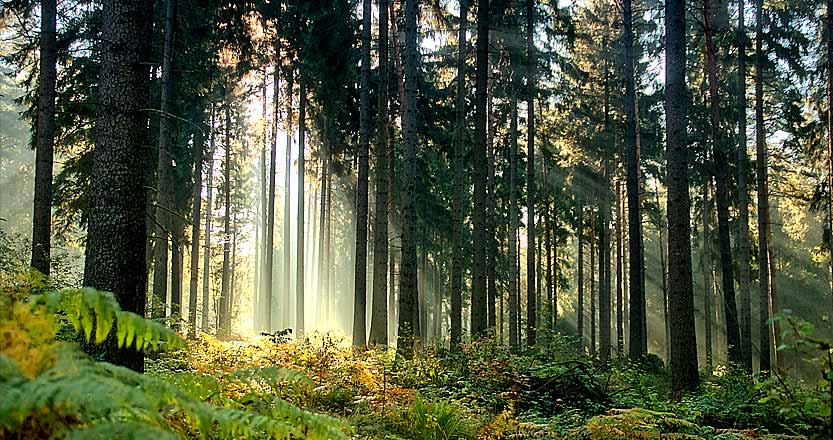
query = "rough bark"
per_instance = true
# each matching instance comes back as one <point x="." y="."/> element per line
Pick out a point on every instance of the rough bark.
<point x="460" y="137"/>
<point x="45" y="139"/>
<point x="681" y="300"/>
<point x="532" y="64"/>
<point x="478" y="294"/>
<point x="379" y="314"/>
<point x="763" y="193"/>
<point x="743" y="239"/>
<point x="116" y="234"/>
<point x="360" y="284"/>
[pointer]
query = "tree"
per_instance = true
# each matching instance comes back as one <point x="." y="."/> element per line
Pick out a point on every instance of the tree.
<point x="116" y="230"/>
<point x="408" y="305"/>
<point x="269" y="245"/>
<point x="206" y="258"/>
<point x="681" y="299"/>
<point x="199" y="153"/>
<point x="460" y="138"/>
<point x="636" y="286"/>
<point x="379" y="314"/>
<point x="478" y="288"/>
<point x="532" y="64"/>
<point x="744" y="241"/>
<point x="514" y="300"/>
<point x="299" y="280"/>
<point x="763" y="191"/>
<point x="224" y="313"/>
<point x="721" y="174"/>
<point x="360" y="294"/>
<point x="45" y="138"/>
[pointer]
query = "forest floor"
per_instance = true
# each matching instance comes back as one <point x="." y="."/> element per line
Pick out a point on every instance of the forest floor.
<point x="484" y="391"/>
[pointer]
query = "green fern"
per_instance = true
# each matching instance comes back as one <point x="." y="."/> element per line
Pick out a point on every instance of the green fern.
<point x="89" y="310"/>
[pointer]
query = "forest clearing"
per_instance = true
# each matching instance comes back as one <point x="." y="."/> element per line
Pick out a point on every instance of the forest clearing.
<point x="416" y="219"/>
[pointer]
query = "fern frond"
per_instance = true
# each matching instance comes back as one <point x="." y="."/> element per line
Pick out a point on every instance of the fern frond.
<point x="89" y="310"/>
<point x="123" y="430"/>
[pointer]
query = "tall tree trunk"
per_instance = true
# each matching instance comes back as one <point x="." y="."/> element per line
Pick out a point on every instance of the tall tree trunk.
<point x="721" y="171"/>
<point x="514" y="300"/>
<point x="165" y="185"/>
<point x="620" y="318"/>
<point x="209" y="207"/>
<point x="196" y="216"/>
<point x="604" y="227"/>
<point x="408" y="301"/>
<point x="580" y="283"/>
<point x="744" y="241"/>
<point x="663" y="251"/>
<point x="379" y="315"/>
<point x="593" y="329"/>
<point x="683" y="334"/>
<point x="828" y="22"/>
<point x="269" y="232"/>
<point x="287" y="209"/>
<point x="116" y="231"/>
<point x="478" y="294"/>
<point x="706" y="267"/>
<point x="323" y="268"/>
<point x="299" y="277"/>
<point x="460" y="138"/>
<point x="360" y="294"/>
<point x="45" y="138"/>
<point x="636" y="286"/>
<point x="225" y="296"/>
<point x="763" y="192"/>
<point x="532" y="65"/>
<point x="491" y="242"/>
<point x="548" y="246"/>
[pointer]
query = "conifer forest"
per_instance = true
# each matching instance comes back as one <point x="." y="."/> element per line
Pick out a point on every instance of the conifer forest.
<point x="416" y="219"/>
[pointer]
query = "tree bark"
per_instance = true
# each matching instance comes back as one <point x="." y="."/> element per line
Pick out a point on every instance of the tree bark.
<point x="478" y="294"/>
<point x="225" y="295"/>
<point x="360" y="294"/>
<point x="165" y="185"/>
<point x="681" y="300"/>
<point x="763" y="193"/>
<point x="45" y="139"/>
<point x="408" y="301"/>
<point x="269" y="232"/>
<point x="744" y="240"/>
<point x="706" y="267"/>
<point x="299" y="277"/>
<point x="287" y="209"/>
<point x="379" y="314"/>
<point x="116" y="234"/>
<point x="636" y="286"/>
<point x="580" y="283"/>
<point x="459" y="178"/>
<point x="514" y="300"/>
<point x="196" y="216"/>
<point x="209" y="206"/>
<point x="532" y="64"/>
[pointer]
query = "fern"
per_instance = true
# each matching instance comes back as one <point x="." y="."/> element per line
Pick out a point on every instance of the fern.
<point x="93" y="312"/>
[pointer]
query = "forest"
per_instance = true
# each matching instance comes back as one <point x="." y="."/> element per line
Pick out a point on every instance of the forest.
<point x="416" y="219"/>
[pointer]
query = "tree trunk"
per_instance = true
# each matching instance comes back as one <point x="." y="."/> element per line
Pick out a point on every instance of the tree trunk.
<point x="491" y="242"/>
<point x="408" y="301"/>
<point x="721" y="172"/>
<point x="763" y="192"/>
<point x="196" y="215"/>
<point x="360" y="294"/>
<point x="287" y="209"/>
<point x="620" y="323"/>
<point x="45" y="139"/>
<point x="663" y="251"/>
<point x="548" y="245"/>
<point x="744" y="241"/>
<point x="269" y="232"/>
<point x="379" y="314"/>
<point x="209" y="206"/>
<point x="514" y="300"/>
<point x="681" y="300"/>
<point x="224" y="315"/>
<point x="299" y="277"/>
<point x="593" y="228"/>
<point x="165" y="185"/>
<point x="531" y="312"/>
<point x="636" y="286"/>
<point x="116" y="238"/>
<point x="580" y="283"/>
<point x="460" y="138"/>
<point x="706" y="267"/>
<point x="478" y="294"/>
<point x="604" y="226"/>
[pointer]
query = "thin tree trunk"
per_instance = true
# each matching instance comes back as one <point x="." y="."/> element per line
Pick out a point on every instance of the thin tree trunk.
<point x="224" y="316"/>
<point x="706" y="267"/>
<point x="681" y="301"/>
<point x="580" y="283"/>
<point x="620" y="322"/>
<point x="270" y="213"/>
<point x="478" y="294"/>
<point x="165" y="185"/>
<point x="379" y="314"/>
<point x="604" y="227"/>
<point x="721" y="190"/>
<point x="209" y="206"/>
<point x="593" y="228"/>
<point x="287" y="209"/>
<point x="548" y="245"/>
<point x="531" y="324"/>
<point x="299" y="277"/>
<point x="116" y="232"/>
<point x="763" y="193"/>
<point x="196" y="215"/>
<point x="514" y="300"/>
<point x="459" y="171"/>
<point x="662" y="253"/>
<point x="360" y="294"/>
<point x="408" y="301"/>
<point x="491" y="242"/>
<point x="636" y="286"/>
<point x="45" y="138"/>
<point x="744" y="240"/>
